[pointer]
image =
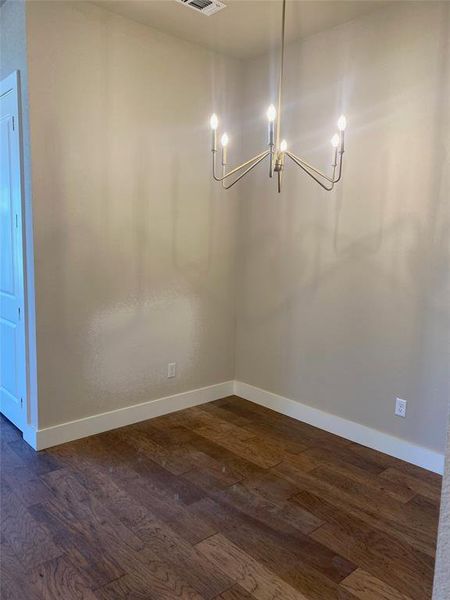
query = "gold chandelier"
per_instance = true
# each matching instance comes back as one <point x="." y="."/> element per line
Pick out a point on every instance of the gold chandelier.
<point x="278" y="151"/>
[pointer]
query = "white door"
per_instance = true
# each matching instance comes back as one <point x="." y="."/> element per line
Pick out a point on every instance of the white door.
<point x="12" y="325"/>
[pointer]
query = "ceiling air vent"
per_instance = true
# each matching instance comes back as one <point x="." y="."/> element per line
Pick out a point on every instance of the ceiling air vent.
<point x="206" y="7"/>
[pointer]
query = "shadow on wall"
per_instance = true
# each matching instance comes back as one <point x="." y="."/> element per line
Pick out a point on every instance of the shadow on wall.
<point x="344" y="295"/>
<point x="135" y="251"/>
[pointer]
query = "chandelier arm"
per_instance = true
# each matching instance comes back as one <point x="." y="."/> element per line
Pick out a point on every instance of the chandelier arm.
<point x="311" y="168"/>
<point x="227" y="187"/>
<point x="297" y="162"/>
<point x="236" y="169"/>
<point x="340" y="168"/>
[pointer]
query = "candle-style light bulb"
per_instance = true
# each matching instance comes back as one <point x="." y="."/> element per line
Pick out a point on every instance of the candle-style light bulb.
<point x="214" y="121"/>
<point x="283" y="146"/>
<point x="224" y="141"/>
<point x="271" y="116"/>
<point x="342" y="123"/>
<point x="271" y="113"/>
<point x="335" y="140"/>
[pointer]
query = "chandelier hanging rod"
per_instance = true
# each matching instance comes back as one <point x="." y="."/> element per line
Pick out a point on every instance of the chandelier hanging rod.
<point x="280" y="82"/>
<point x="277" y="151"/>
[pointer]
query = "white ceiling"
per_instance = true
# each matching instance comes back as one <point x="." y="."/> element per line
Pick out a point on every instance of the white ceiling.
<point x="245" y="28"/>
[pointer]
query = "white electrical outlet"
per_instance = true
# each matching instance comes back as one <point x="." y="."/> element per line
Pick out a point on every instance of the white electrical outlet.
<point x="400" y="407"/>
<point x="171" y="370"/>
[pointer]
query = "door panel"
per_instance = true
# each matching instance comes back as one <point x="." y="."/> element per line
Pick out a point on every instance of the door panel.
<point x="12" y="329"/>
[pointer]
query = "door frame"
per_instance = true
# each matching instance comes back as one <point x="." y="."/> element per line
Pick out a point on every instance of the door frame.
<point x="12" y="84"/>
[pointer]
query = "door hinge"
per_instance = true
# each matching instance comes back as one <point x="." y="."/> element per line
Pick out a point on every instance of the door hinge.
<point x="19" y="311"/>
<point x="21" y="403"/>
<point x="17" y="221"/>
<point x="13" y="123"/>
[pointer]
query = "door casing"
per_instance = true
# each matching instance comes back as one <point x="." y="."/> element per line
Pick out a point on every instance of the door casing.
<point x="28" y="424"/>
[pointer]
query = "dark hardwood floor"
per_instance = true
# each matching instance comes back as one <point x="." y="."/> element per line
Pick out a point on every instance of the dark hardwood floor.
<point x="226" y="501"/>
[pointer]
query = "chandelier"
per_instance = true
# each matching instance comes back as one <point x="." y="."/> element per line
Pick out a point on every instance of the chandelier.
<point x="277" y="151"/>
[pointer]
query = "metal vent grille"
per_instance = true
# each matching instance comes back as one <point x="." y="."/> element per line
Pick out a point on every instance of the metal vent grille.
<point x="206" y="7"/>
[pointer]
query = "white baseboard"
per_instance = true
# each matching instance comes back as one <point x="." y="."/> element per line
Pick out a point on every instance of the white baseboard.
<point x="73" y="430"/>
<point x="366" y="436"/>
<point x="29" y="435"/>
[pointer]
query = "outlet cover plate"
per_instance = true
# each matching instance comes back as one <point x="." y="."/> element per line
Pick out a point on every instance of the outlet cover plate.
<point x="400" y="407"/>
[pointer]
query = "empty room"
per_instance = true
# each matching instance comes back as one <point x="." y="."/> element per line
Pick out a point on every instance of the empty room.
<point x="224" y="299"/>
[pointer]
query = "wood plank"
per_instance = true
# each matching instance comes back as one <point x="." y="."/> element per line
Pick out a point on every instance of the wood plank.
<point x="226" y="415"/>
<point x="29" y="540"/>
<point x="114" y="498"/>
<point x="164" y="481"/>
<point x="211" y="475"/>
<point x="205" y="469"/>
<point x="78" y="544"/>
<point x="385" y="461"/>
<point x="58" y="578"/>
<point x="247" y="572"/>
<point x="144" y="444"/>
<point x="287" y="561"/>
<point x="270" y="486"/>
<point x="284" y="426"/>
<point x="403" y="521"/>
<point x="343" y="456"/>
<point x="285" y="516"/>
<point x="8" y="432"/>
<point x="10" y="459"/>
<point x="127" y="549"/>
<point x="183" y="558"/>
<point x="40" y="462"/>
<point x="254" y="450"/>
<point x="158" y="582"/>
<point x="25" y="484"/>
<point x="234" y="462"/>
<point x="365" y="586"/>
<point x="14" y="582"/>
<point x="381" y="566"/>
<point x="371" y="543"/>
<point x="137" y="463"/>
<point x="221" y="427"/>
<point x="359" y="470"/>
<point x="425" y="513"/>
<point x="235" y="593"/>
<point x="416" y="485"/>
<point x="155" y="533"/>
<point x="366" y="495"/>
<point x="167" y="507"/>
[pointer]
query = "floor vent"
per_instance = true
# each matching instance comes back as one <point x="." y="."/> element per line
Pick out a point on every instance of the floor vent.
<point x="206" y="7"/>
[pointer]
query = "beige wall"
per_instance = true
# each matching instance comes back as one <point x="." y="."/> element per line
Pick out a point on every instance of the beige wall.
<point x="343" y="298"/>
<point x="135" y="247"/>
<point x="441" y="589"/>
<point x="13" y="50"/>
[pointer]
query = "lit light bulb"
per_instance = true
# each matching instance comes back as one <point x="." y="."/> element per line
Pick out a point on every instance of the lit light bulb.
<point x="283" y="146"/>
<point x="224" y="140"/>
<point x="271" y="113"/>
<point x="342" y="123"/>
<point x="335" y="140"/>
<point x="214" y="121"/>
